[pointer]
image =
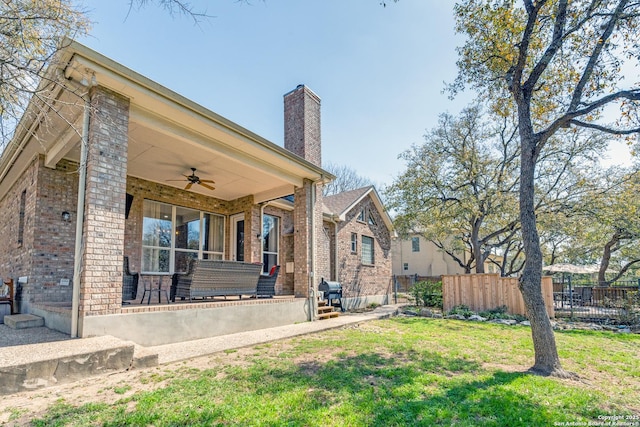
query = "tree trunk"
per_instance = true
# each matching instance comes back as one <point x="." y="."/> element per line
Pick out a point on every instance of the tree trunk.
<point x="606" y="258"/>
<point x="547" y="361"/>
<point x="475" y="245"/>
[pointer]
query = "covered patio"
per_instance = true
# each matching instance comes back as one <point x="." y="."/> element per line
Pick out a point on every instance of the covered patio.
<point x="114" y="165"/>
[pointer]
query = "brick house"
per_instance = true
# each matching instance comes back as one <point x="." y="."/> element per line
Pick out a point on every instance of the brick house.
<point x="116" y="150"/>
<point x="357" y="240"/>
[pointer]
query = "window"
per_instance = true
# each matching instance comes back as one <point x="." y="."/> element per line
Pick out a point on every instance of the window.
<point x="173" y="235"/>
<point x="405" y="266"/>
<point x="367" y="250"/>
<point x="270" y="242"/>
<point x="354" y="243"/>
<point x="361" y="215"/>
<point x="372" y="220"/>
<point x="415" y="244"/>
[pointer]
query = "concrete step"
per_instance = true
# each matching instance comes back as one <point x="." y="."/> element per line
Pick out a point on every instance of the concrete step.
<point x="23" y="321"/>
<point x="33" y="366"/>
<point x="144" y="358"/>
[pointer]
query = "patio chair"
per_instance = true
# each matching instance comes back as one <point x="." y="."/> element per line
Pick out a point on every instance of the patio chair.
<point x="267" y="284"/>
<point x="6" y="293"/>
<point x="129" y="283"/>
<point x="176" y="277"/>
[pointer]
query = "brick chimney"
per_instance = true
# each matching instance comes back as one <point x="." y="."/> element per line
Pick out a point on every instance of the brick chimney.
<point x="302" y="124"/>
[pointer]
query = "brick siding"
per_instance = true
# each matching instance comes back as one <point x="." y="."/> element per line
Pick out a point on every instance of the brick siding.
<point x="359" y="279"/>
<point x="302" y="133"/>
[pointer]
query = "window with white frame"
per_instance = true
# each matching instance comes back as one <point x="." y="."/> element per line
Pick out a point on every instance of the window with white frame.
<point x="173" y="235"/>
<point x="354" y="243"/>
<point x="367" y="250"/>
<point x="415" y="244"/>
<point x="270" y="241"/>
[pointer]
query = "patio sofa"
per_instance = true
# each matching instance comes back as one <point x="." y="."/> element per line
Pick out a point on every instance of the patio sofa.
<point x="211" y="278"/>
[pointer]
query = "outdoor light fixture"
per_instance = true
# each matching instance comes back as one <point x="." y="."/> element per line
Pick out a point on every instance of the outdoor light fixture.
<point x="66" y="216"/>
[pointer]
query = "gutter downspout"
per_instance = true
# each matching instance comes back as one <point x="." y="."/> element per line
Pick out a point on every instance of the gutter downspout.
<point x="77" y="257"/>
<point x="262" y="205"/>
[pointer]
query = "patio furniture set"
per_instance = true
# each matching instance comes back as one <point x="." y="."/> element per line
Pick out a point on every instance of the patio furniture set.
<point x="205" y="278"/>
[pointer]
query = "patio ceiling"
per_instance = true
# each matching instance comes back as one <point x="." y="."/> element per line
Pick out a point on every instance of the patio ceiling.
<point x="168" y="135"/>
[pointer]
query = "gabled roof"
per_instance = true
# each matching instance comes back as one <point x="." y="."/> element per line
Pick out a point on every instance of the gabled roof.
<point x="168" y="134"/>
<point x="338" y="205"/>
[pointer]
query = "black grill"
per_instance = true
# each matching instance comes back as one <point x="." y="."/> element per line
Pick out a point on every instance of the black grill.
<point x="332" y="291"/>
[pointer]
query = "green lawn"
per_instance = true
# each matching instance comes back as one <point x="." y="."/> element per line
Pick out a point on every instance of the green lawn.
<point x="395" y="372"/>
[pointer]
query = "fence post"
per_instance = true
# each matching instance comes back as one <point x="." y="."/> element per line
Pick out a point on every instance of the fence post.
<point x="395" y="289"/>
<point x="570" y="297"/>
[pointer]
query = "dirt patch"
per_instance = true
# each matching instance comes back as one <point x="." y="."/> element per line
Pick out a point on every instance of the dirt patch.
<point x="20" y="408"/>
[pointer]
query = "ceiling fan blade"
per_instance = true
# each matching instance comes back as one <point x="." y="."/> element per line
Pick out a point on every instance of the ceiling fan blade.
<point x="188" y="186"/>
<point x="208" y="180"/>
<point x="207" y="186"/>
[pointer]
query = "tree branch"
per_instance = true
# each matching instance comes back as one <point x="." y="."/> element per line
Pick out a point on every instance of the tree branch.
<point x="604" y="128"/>
<point x="556" y="43"/>
<point x="595" y="56"/>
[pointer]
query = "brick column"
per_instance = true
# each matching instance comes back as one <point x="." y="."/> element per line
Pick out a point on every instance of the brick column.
<point x="303" y="261"/>
<point x="101" y="277"/>
<point x="301" y="238"/>
<point x="253" y="225"/>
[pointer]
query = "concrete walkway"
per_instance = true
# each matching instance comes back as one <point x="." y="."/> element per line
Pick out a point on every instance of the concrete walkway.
<point x="38" y="357"/>
<point x="186" y="350"/>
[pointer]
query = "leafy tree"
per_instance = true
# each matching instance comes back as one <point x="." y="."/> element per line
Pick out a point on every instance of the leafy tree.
<point x="346" y="179"/>
<point x="30" y="34"/>
<point x="608" y="225"/>
<point x="558" y="64"/>
<point x="617" y="215"/>
<point x="459" y="190"/>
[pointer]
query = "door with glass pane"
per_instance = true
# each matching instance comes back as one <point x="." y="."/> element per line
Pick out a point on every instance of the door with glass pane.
<point x="270" y="241"/>
<point x="237" y="237"/>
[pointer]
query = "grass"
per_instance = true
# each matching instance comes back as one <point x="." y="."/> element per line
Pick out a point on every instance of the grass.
<point x="395" y="372"/>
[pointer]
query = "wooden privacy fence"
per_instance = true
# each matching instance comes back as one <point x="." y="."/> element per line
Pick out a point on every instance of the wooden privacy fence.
<point x="481" y="292"/>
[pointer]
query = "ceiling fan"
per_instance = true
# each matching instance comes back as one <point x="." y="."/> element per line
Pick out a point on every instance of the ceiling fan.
<point x="194" y="179"/>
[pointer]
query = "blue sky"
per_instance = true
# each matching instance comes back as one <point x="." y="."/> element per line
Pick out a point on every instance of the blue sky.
<point x="379" y="71"/>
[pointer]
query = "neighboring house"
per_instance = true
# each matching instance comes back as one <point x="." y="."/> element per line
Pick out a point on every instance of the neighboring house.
<point x="415" y="255"/>
<point x="104" y="172"/>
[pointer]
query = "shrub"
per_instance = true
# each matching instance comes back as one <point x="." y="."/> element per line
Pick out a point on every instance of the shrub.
<point x="501" y="313"/>
<point x="462" y="310"/>
<point x="630" y="309"/>
<point x="428" y="294"/>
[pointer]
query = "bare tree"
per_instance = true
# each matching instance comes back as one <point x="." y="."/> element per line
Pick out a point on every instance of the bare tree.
<point x="346" y="179"/>
<point x="175" y="8"/>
